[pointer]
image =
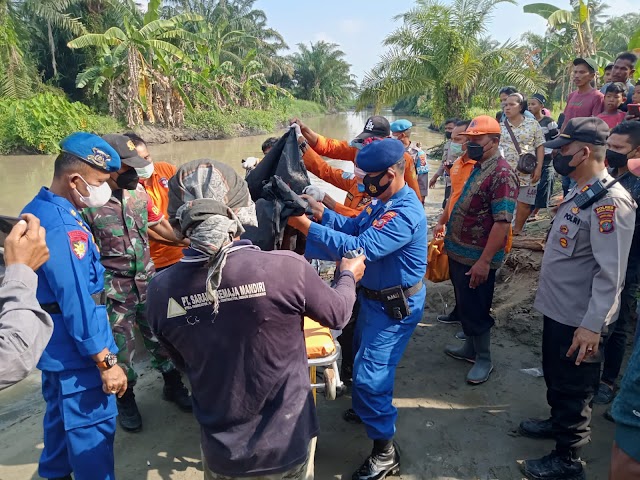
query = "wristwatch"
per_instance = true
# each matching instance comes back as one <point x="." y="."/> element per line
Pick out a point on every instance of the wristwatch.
<point x="110" y="360"/>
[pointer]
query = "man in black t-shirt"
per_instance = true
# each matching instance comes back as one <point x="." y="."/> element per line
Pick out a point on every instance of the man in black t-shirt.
<point x="231" y="317"/>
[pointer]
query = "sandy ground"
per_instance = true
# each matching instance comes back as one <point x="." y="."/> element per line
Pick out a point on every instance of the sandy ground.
<point x="447" y="430"/>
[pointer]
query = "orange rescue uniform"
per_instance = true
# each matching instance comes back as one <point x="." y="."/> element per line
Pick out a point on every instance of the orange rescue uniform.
<point x="158" y="189"/>
<point x="341" y="150"/>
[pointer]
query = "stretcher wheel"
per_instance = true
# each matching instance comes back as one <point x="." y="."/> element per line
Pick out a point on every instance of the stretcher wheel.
<point x="330" y="384"/>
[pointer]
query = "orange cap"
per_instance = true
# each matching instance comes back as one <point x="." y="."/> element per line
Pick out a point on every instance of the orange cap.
<point x="482" y="125"/>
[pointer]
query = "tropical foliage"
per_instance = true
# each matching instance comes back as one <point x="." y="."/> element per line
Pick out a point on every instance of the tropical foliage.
<point x="442" y="51"/>
<point x="322" y="75"/>
<point x="440" y="62"/>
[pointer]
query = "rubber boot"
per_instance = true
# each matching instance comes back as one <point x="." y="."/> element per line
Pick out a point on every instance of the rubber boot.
<point x="175" y="391"/>
<point x="128" y="413"/>
<point x="483" y="367"/>
<point x="384" y="460"/>
<point x="466" y="352"/>
<point x="555" y="466"/>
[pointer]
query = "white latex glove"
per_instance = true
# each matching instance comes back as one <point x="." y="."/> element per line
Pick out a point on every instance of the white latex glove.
<point x="249" y="163"/>
<point x="296" y="128"/>
<point x="314" y="192"/>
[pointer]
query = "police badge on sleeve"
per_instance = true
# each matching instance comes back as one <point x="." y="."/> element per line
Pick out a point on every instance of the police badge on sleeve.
<point x="79" y="243"/>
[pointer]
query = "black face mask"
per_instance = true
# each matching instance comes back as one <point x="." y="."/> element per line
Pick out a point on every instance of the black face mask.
<point x="372" y="184"/>
<point x="617" y="160"/>
<point x="475" y="151"/>
<point x="561" y="164"/>
<point x="128" y="180"/>
<point x="447" y="135"/>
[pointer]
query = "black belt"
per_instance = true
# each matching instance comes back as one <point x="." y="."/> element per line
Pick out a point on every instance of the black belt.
<point x="54" y="309"/>
<point x="379" y="297"/>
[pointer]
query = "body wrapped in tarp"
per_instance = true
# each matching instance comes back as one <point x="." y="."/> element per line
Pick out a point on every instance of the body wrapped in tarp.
<point x="275" y="185"/>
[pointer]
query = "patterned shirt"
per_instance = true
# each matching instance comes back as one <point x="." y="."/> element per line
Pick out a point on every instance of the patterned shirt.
<point x="529" y="135"/>
<point x="489" y="196"/>
<point x="419" y="158"/>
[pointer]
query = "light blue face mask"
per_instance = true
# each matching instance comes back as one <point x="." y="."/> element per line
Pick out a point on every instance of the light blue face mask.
<point x="455" y="148"/>
<point x="356" y="144"/>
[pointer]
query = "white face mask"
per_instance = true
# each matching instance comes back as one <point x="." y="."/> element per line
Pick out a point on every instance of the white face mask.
<point x="98" y="196"/>
<point x="145" y="172"/>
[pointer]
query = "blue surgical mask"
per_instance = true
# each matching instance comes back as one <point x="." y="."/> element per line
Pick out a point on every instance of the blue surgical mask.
<point x="455" y="148"/>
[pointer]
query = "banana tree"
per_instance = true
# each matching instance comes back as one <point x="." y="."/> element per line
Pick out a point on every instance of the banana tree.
<point x="145" y="53"/>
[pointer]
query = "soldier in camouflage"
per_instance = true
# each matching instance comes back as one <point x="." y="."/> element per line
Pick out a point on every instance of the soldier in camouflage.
<point x="121" y="229"/>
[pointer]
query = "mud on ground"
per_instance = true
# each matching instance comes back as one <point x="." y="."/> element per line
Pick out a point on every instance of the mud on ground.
<point x="447" y="430"/>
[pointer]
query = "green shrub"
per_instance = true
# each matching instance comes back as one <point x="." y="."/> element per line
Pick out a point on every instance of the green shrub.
<point x="40" y="122"/>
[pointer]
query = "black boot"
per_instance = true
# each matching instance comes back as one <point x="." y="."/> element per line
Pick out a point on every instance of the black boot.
<point x="539" y="429"/>
<point x="350" y="416"/>
<point x="384" y="460"/>
<point x="128" y="413"/>
<point x="555" y="466"/>
<point x="175" y="391"/>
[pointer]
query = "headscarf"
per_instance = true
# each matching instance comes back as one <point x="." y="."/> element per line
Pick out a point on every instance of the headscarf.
<point x="211" y="203"/>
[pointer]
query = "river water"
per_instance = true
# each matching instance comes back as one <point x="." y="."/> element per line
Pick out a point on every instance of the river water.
<point x="23" y="175"/>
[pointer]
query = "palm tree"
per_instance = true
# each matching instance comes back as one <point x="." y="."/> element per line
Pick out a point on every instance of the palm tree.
<point x="322" y="75"/>
<point x="440" y="51"/>
<point x="15" y="70"/>
<point x="139" y="54"/>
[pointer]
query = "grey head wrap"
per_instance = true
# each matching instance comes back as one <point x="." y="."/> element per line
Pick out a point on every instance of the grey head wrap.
<point x="211" y="203"/>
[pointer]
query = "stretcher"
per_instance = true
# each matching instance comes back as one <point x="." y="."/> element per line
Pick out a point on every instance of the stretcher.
<point x="322" y="351"/>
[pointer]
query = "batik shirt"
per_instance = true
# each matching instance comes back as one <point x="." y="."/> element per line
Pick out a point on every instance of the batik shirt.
<point x="489" y="196"/>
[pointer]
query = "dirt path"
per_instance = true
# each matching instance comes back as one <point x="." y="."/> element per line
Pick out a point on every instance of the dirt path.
<point x="447" y="430"/>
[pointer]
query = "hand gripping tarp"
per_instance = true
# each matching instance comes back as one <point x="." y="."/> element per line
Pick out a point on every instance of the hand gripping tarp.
<point x="275" y="185"/>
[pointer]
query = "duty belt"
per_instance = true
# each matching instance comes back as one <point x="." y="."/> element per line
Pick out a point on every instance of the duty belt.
<point x="54" y="309"/>
<point x="378" y="296"/>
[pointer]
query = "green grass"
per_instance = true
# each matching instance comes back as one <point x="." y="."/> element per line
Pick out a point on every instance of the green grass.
<point x="228" y="124"/>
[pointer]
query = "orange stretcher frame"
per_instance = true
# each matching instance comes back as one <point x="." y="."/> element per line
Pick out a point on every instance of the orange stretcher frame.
<point x="322" y="351"/>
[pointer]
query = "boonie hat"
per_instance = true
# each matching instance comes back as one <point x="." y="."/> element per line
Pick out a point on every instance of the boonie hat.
<point x="482" y="125"/>
<point x="93" y="150"/>
<point x="401" y="125"/>
<point x="589" y="62"/>
<point x="126" y="149"/>
<point x="591" y="130"/>
<point x="379" y="156"/>
<point x="376" y="126"/>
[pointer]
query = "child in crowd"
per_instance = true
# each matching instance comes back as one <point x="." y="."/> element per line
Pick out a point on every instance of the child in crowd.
<point x="615" y="96"/>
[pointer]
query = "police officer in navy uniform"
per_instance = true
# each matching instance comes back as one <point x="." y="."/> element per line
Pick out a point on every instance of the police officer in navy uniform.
<point x="393" y="233"/>
<point x="581" y="278"/>
<point x="79" y="367"/>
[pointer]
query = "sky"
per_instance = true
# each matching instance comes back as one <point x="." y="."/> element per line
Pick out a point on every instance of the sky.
<point x="360" y="26"/>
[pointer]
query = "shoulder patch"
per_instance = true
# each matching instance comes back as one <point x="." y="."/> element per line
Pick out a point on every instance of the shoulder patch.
<point x="379" y="223"/>
<point x="79" y="243"/>
<point x="605" y="214"/>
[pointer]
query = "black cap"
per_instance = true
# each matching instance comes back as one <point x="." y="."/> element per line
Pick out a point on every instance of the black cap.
<point x="540" y="97"/>
<point x="376" y="126"/>
<point x="126" y="149"/>
<point x="589" y="62"/>
<point x="591" y="130"/>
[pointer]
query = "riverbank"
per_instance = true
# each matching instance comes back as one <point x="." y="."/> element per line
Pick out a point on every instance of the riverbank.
<point x="37" y="125"/>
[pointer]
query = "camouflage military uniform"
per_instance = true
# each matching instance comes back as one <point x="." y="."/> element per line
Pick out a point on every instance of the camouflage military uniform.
<point x="120" y="229"/>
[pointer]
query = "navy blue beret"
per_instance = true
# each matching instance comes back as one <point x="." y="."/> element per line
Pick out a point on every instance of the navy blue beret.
<point x="380" y="155"/>
<point x="93" y="150"/>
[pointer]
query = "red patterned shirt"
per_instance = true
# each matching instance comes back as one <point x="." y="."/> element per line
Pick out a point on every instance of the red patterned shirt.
<point x="489" y="196"/>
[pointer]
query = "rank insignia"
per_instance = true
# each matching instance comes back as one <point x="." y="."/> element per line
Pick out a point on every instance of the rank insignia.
<point x="605" y="214"/>
<point x="564" y="229"/>
<point x="575" y="210"/>
<point x="379" y="223"/>
<point x="78" y="240"/>
<point x="369" y="210"/>
<point x="563" y="242"/>
<point x="99" y="158"/>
